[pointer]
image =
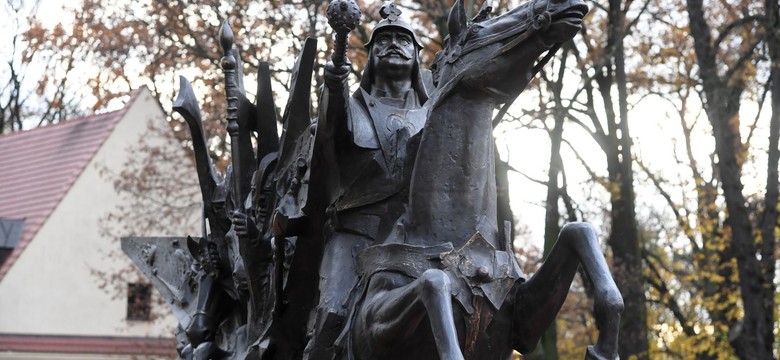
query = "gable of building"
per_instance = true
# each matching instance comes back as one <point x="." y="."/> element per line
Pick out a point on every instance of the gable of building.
<point x="40" y="166"/>
<point x="48" y="287"/>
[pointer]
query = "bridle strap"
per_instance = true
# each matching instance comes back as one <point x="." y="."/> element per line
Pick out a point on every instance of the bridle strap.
<point x="538" y="67"/>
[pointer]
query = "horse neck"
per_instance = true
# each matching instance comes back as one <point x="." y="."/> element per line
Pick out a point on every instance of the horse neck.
<point x="453" y="187"/>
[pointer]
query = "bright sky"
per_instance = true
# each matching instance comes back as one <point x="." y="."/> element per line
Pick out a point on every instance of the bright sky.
<point x="53" y="12"/>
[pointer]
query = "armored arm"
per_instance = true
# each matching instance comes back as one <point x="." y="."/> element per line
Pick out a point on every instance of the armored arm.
<point x="333" y="101"/>
<point x="343" y="17"/>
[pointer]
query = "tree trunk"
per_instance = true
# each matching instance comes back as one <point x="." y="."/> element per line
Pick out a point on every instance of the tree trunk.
<point x="624" y="238"/>
<point x="770" y="216"/>
<point x="752" y="336"/>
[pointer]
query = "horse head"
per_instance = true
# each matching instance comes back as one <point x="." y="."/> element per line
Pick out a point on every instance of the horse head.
<point x="497" y="55"/>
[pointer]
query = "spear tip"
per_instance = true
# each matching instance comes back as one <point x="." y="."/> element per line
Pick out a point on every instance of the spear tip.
<point x="226" y="36"/>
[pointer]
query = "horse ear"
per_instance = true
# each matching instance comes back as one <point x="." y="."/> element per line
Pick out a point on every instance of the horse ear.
<point x="193" y="247"/>
<point x="457" y="22"/>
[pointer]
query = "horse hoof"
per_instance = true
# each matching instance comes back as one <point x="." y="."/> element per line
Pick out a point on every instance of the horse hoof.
<point x="593" y="354"/>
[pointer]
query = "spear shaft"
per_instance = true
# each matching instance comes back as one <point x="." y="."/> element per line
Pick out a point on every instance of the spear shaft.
<point x="228" y="63"/>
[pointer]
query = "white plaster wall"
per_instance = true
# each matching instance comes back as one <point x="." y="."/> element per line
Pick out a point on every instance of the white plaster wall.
<point x="51" y="289"/>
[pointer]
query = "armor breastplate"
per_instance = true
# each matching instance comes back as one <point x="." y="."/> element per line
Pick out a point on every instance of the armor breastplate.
<point x="382" y="166"/>
<point x="393" y="127"/>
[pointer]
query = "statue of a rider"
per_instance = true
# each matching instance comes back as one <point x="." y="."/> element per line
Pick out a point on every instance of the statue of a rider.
<point x="397" y="225"/>
<point x="369" y="131"/>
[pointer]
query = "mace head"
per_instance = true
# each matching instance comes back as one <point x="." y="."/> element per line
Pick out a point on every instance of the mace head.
<point x="343" y="15"/>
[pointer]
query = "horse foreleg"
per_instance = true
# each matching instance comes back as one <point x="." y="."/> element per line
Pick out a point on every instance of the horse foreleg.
<point x="538" y="300"/>
<point x="395" y="307"/>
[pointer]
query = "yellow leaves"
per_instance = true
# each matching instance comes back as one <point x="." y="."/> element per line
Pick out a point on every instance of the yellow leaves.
<point x="708" y="339"/>
<point x="613" y="188"/>
<point x="707" y="292"/>
<point x="716" y="279"/>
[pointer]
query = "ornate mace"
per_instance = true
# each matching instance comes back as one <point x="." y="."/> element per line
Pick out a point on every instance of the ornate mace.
<point x="343" y="17"/>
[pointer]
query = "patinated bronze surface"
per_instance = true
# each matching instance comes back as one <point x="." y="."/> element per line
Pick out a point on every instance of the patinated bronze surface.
<point x="375" y="230"/>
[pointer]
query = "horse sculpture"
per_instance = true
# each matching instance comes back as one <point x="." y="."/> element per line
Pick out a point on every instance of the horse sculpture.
<point x="458" y="293"/>
<point x="444" y="284"/>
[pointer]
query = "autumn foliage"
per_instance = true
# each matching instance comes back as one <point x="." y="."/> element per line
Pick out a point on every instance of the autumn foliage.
<point x="689" y="217"/>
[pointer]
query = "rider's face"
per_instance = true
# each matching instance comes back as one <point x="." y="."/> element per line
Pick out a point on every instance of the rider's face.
<point x="393" y="52"/>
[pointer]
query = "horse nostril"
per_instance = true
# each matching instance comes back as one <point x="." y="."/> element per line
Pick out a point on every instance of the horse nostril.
<point x="199" y="336"/>
<point x="199" y="331"/>
<point x="195" y="340"/>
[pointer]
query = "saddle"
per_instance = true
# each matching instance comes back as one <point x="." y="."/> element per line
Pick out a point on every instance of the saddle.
<point x="476" y="269"/>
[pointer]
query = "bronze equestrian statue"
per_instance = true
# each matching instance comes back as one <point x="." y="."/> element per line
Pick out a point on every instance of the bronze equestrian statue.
<point x="373" y="230"/>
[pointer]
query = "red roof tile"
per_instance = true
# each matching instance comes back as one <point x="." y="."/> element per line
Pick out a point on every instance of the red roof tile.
<point x="40" y="166"/>
<point x="88" y="345"/>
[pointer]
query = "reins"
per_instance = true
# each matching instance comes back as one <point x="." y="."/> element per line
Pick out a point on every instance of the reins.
<point x="536" y="69"/>
<point x="541" y="22"/>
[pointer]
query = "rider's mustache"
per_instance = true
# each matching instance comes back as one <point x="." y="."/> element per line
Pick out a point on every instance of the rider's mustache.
<point x="394" y="51"/>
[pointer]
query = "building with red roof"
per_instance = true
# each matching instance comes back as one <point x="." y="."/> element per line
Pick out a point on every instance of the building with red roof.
<point x="54" y="193"/>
